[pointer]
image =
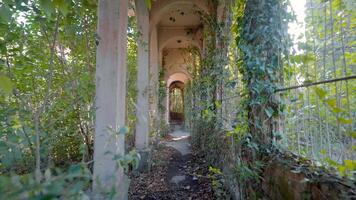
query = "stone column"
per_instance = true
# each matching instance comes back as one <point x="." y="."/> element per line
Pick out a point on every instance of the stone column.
<point x="163" y="103"/>
<point x="142" y="112"/>
<point x="154" y="77"/>
<point x="110" y="95"/>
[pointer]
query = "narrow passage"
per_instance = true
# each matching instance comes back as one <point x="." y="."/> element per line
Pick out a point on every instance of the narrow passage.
<point x="176" y="172"/>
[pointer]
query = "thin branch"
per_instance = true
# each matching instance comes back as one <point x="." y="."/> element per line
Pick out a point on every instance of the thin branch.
<point x="45" y="101"/>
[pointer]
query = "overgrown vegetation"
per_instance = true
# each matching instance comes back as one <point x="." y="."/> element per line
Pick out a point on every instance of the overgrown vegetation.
<point x="47" y="106"/>
<point x="234" y="109"/>
<point x="47" y="89"/>
<point x="234" y="105"/>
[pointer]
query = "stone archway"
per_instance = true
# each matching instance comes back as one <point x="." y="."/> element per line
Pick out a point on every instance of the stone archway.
<point x="176" y="102"/>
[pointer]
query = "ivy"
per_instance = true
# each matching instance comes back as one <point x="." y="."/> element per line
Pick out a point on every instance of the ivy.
<point x="263" y="42"/>
<point x="5" y="85"/>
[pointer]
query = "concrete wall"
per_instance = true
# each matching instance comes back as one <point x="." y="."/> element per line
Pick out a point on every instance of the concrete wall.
<point x="287" y="179"/>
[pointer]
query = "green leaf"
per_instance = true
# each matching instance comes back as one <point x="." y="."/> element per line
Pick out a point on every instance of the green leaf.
<point x="323" y="152"/>
<point x="62" y="6"/>
<point x="344" y="121"/>
<point x="3" y="147"/>
<point x="48" y="174"/>
<point x="74" y="169"/>
<point x="269" y="112"/>
<point x="331" y="162"/>
<point x="350" y="164"/>
<point x="47" y="6"/>
<point x="124" y="130"/>
<point x="218" y="104"/>
<point x="352" y="134"/>
<point x="341" y="169"/>
<point x="148" y="4"/>
<point x="320" y="92"/>
<point x="5" y="85"/>
<point x="5" y="14"/>
<point x="336" y="109"/>
<point x="331" y="102"/>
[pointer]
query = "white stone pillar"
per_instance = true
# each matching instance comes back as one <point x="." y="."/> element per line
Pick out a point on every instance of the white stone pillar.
<point x="142" y="112"/>
<point x="110" y="95"/>
<point x="154" y="75"/>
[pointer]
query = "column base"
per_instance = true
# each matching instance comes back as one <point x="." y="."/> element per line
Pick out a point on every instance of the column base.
<point x="145" y="162"/>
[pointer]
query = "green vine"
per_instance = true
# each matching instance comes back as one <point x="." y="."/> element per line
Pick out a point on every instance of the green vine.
<point x="250" y="71"/>
<point x="264" y="43"/>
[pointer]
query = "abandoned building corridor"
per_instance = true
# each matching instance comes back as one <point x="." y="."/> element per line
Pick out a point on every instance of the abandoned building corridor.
<point x="178" y="99"/>
<point x="231" y="97"/>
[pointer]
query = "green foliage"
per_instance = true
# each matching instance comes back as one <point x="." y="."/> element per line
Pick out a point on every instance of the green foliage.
<point x="56" y="184"/>
<point x="5" y="15"/>
<point x="128" y="161"/>
<point x="132" y="34"/>
<point x="263" y="45"/>
<point x="219" y="183"/>
<point x="320" y="119"/>
<point x="245" y="172"/>
<point x="5" y="85"/>
<point x="148" y="4"/>
<point x="47" y="67"/>
<point x="47" y="59"/>
<point x="209" y="78"/>
<point x="332" y="105"/>
<point x="176" y="97"/>
<point x="346" y="169"/>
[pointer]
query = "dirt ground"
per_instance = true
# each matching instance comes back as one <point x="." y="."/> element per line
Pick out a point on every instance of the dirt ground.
<point x="172" y="176"/>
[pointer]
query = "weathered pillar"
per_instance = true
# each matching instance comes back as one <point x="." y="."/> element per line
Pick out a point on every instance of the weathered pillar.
<point x="154" y="74"/>
<point x="167" y="104"/>
<point x="263" y="45"/>
<point x="142" y="111"/>
<point x="110" y="95"/>
<point x="164" y="102"/>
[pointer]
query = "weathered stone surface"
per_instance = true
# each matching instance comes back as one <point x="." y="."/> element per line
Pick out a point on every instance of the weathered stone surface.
<point x="281" y="181"/>
<point x="145" y="162"/>
<point x="110" y="96"/>
<point x="142" y="111"/>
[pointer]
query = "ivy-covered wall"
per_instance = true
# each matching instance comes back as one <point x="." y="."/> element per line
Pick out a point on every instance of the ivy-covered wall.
<point x="264" y="44"/>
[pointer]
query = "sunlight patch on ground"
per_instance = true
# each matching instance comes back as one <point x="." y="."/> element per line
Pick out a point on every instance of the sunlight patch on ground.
<point x="180" y="138"/>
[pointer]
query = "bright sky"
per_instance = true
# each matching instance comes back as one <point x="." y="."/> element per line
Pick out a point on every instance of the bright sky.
<point x="297" y="28"/>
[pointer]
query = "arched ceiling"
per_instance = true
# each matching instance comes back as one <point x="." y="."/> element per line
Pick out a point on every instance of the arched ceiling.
<point x="179" y="26"/>
<point x="179" y="76"/>
<point x="177" y="12"/>
<point x="178" y="22"/>
<point x="179" y="42"/>
<point x="183" y="15"/>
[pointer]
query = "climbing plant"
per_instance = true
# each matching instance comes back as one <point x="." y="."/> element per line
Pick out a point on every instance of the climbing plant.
<point x="235" y="106"/>
<point x="242" y="79"/>
<point x="264" y="44"/>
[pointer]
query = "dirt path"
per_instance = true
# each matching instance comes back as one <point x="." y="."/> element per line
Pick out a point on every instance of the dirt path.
<point x="176" y="173"/>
